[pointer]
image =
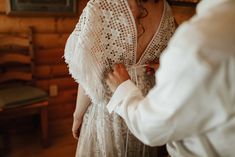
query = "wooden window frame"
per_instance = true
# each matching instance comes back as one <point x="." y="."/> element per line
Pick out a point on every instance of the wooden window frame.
<point x="41" y="8"/>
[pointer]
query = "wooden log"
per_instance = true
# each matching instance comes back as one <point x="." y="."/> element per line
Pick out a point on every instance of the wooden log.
<point x="50" y="40"/>
<point x="81" y="5"/>
<point x="65" y="96"/>
<point x="62" y="83"/>
<point x="2" y="7"/>
<point x="15" y="75"/>
<point x="50" y="56"/>
<point x="66" y="25"/>
<point x="12" y="57"/>
<point x="13" y="40"/>
<point x="41" y="24"/>
<point x="20" y="24"/>
<point x="61" y="126"/>
<point x="51" y="71"/>
<point x="61" y="111"/>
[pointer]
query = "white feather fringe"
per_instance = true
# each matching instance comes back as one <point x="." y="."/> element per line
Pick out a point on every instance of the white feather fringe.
<point x="82" y="63"/>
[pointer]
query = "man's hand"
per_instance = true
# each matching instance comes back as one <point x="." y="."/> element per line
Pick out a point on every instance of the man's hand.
<point x="117" y="76"/>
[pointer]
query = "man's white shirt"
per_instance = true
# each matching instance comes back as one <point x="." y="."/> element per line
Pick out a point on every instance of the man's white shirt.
<point x="192" y="106"/>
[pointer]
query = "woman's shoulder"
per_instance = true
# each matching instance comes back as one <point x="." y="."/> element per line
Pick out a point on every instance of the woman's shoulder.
<point x="97" y="2"/>
<point x="99" y="5"/>
<point x="104" y="3"/>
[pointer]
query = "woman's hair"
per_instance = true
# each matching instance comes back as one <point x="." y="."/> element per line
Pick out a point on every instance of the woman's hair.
<point x="144" y="13"/>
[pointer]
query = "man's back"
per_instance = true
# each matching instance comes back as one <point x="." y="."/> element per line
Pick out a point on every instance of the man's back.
<point x="213" y="34"/>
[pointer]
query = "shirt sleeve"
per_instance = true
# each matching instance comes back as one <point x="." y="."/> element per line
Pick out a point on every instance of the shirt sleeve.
<point x="185" y="101"/>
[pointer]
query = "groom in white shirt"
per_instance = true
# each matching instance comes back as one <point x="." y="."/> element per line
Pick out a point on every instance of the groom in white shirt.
<point x="192" y="108"/>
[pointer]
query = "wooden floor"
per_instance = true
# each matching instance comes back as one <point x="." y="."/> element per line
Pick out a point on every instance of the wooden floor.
<point x="28" y="143"/>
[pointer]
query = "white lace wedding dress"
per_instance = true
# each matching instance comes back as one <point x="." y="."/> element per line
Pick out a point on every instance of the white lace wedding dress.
<point x="105" y="35"/>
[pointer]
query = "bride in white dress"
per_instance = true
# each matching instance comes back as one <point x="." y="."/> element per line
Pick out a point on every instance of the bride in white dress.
<point x="132" y="32"/>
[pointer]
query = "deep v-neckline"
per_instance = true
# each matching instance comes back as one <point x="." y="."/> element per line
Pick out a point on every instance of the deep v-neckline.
<point x="136" y="34"/>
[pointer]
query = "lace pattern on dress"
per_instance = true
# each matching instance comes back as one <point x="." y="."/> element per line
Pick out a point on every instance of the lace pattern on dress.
<point x="106" y="35"/>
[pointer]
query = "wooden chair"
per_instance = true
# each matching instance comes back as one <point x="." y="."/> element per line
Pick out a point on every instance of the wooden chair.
<point x="18" y="94"/>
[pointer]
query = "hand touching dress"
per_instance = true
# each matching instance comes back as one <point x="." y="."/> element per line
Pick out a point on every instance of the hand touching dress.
<point x="120" y="75"/>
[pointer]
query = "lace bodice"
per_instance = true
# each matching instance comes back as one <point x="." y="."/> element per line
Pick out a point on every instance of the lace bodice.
<point x="106" y="35"/>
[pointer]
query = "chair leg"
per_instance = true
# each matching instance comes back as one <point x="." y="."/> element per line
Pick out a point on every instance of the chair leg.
<point x="44" y="126"/>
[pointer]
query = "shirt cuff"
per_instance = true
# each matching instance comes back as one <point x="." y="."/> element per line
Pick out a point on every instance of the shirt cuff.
<point x="119" y="95"/>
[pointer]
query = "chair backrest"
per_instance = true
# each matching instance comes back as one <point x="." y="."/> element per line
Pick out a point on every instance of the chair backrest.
<point x="16" y="57"/>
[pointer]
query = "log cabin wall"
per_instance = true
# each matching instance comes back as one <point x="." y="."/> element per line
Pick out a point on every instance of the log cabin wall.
<point x="51" y="72"/>
<point x="50" y="35"/>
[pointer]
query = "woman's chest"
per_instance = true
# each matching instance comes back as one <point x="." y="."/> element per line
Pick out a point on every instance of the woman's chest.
<point x="147" y="19"/>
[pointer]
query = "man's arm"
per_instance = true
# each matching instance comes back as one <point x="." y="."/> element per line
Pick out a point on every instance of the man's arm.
<point x="182" y="104"/>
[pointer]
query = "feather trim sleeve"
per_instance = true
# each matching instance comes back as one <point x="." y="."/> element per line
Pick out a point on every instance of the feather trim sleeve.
<point x="80" y="57"/>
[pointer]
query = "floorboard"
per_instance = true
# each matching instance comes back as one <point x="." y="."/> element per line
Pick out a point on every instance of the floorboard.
<point x="27" y="143"/>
